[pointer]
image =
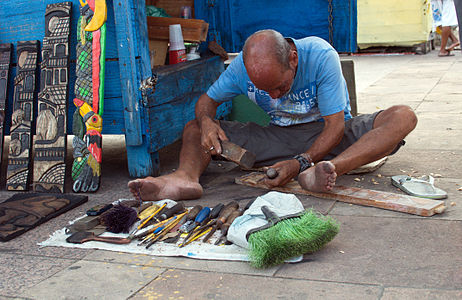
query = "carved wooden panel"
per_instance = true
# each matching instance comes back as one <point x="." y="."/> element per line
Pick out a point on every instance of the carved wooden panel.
<point x="22" y="117"/>
<point x="50" y="142"/>
<point x="89" y="92"/>
<point x="5" y="61"/>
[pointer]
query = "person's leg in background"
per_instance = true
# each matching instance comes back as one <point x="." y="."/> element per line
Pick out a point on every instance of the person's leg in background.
<point x="458" y="5"/>
<point x="445" y="31"/>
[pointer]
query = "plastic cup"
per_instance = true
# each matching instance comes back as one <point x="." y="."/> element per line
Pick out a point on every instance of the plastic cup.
<point x="177" y="51"/>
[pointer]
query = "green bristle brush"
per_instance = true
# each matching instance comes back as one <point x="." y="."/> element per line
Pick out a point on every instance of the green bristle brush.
<point x="289" y="236"/>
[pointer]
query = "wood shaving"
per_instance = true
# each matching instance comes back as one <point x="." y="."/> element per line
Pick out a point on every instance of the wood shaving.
<point x="453" y="203"/>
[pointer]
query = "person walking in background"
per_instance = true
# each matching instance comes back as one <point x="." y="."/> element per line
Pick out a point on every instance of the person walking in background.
<point x="458" y="5"/>
<point x="444" y="15"/>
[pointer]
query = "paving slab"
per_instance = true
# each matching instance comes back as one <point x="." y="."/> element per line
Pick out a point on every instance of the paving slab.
<point x="388" y="251"/>
<point x="178" y="284"/>
<point x="444" y="140"/>
<point x="94" y="280"/>
<point x="393" y="293"/>
<point x="232" y="267"/>
<point x="439" y="121"/>
<point x="441" y="105"/>
<point x="19" y="272"/>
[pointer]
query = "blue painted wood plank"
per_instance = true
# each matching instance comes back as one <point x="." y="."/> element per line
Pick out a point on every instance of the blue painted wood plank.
<point x="141" y="162"/>
<point x="172" y="104"/>
<point x="125" y="33"/>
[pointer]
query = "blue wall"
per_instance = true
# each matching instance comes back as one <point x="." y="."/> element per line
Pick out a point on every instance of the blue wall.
<point x="232" y="21"/>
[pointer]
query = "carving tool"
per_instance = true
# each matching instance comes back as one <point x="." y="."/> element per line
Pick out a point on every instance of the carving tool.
<point x="151" y="216"/>
<point x="224" y="214"/>
<point x="195" y="237"/>
<point x="201" y="216"/>
<point x="190" y="217"/>
<point x="166" y="228"/>
<point x="224" y="227"/>
<point x="85" y="236"/>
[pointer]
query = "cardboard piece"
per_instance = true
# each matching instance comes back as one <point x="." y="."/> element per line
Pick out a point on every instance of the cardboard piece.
<point x="158" y="50"/>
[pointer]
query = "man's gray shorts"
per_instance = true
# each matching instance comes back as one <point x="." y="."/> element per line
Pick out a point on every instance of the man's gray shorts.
<point x="274" y="143"/>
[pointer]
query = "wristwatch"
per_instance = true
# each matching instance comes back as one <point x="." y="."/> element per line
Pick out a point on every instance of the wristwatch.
<point x="304" y="160"/>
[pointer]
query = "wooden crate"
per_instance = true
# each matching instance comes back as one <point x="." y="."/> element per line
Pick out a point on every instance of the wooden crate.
<point x="193" y="30"/>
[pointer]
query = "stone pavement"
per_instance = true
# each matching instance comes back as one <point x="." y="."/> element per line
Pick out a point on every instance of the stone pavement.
<point x="378" y="254"/>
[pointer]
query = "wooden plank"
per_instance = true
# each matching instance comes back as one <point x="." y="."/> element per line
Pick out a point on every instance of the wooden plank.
<point x="140" y="161"/>
<point x="193" y="30"/>
<point x="51" y="136"/>
<point x="18" y="173"/>
<point x="391" y="201"/>
<point x="127" y="65"/>
<point x="5" y="62"/>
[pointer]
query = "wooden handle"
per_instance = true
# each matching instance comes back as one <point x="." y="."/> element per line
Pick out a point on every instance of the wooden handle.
<point x="112" y="240"/>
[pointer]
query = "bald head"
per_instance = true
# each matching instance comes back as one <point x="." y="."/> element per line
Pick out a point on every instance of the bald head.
<point x="270" y="61"/>
<point x="266" y="46"/>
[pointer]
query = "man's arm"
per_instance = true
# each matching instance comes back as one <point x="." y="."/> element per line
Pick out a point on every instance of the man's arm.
<point x="211" y="132"/>
<point x="331" y="135"/>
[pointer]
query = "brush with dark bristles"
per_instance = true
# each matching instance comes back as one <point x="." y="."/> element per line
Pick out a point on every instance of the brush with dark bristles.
<point x="119" y="218"/>
<point x="289" y="236"/>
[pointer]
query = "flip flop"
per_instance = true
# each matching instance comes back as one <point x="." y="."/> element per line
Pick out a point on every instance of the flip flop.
<point x="447" y="54"/>
<point x="423" y="187"/>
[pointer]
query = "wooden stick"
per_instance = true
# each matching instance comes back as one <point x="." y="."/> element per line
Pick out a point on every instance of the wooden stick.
<point x="391" y="201"/>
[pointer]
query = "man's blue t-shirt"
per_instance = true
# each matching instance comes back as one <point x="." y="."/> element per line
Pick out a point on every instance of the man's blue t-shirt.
<point x="318" y="90"/>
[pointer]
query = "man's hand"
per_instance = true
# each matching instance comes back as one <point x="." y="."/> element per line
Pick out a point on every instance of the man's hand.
<point x="211" y="132"/>
<point x="286" y="170"/>
<point x="211" y="135"/>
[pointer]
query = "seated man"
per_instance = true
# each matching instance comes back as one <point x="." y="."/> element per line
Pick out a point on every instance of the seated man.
<point x="312" y="134"/>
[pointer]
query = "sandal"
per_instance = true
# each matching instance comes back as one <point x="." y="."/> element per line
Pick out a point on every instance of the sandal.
<point x="423" y="187"/>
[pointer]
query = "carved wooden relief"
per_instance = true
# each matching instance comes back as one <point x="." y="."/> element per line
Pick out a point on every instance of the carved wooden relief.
<point x="89" y="92"/>
<point x="22" y="117"/>
<point x="50" y="142"/>
<point x="5" y="61"/>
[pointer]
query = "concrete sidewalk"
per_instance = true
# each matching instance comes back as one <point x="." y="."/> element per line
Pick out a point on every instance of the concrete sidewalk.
<point x="378" y="254"/>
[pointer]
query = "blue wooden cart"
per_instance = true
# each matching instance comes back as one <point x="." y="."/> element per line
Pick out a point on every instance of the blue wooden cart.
<point x="150" y="120"/>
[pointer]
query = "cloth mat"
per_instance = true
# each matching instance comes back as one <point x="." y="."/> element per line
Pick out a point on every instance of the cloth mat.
<point x="196" y="249"/>
<point x="23" y="211"/>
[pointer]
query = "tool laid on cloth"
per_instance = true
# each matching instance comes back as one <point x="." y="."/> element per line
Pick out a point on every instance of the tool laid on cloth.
<point x="276" y="227"/>
<point x="165" y="229"/>
<point x="119" y="218"/>
<point x="385" y="200"/>
<point x="237" y="154"/>
<point x="201" y="216"/>
<point x="422" y="187"/>
<point x="99" y="209"/>
<point x="190" y="217"/>
<point x="84" y="236"/>
<point x="176" y="209"/>
<point x="225" y="226"/>
<point x="205" y="226"/>
<point x="222" y="217"/>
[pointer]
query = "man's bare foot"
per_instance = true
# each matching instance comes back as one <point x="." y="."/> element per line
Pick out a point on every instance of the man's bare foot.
<point x="321" y="178"/>
<point x="172" y="186"/>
